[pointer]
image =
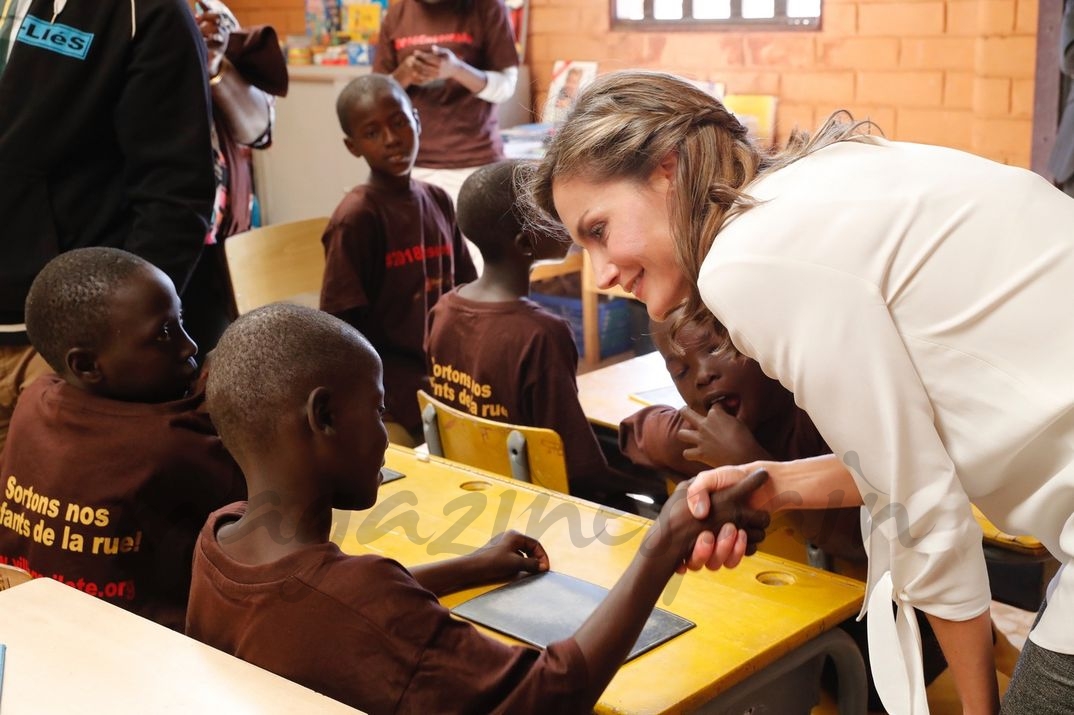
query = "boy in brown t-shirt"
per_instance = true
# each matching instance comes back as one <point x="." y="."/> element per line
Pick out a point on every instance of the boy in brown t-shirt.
<point x="498" y="355"/>
<point x="303" y="420"/>
<point x="111" y="467"/>
<point x="391" y="247"/>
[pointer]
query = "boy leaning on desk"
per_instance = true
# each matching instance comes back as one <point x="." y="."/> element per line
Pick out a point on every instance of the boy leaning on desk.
<point x="303" y="420"/>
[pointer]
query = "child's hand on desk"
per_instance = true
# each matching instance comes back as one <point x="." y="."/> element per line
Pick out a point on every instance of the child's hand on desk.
<point x="718" y="438"/>
<point x="505" y="555"/>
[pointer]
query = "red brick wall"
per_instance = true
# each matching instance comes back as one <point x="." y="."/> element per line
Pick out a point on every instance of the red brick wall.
<point x="955" y="72"/>
<point x="952" y="72"/>
<point x="287" y="16"/>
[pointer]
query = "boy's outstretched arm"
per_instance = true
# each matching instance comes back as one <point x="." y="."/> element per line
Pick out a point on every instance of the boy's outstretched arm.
<point x="608" y="634"/>
<point x="503" y="557"/>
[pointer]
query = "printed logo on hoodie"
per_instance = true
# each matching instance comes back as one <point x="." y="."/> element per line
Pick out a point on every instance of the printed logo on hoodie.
<point x="61" y="39"/>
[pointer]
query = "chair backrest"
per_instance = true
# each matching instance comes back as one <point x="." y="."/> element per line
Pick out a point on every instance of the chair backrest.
<point x="11" y="576"/>
<point x="531" y="454"/>
<point x="281" y="262"/>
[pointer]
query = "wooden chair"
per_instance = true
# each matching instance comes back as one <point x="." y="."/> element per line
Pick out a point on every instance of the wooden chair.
<point x="283" y="262"/>
<point x="11" y="576"/>
<point x="529" y="454"/>
<point x="1019" y="567"/>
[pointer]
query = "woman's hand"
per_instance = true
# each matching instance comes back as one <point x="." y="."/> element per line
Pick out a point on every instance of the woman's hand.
<point x="739" y="528"/>
<point x="712" y="550"/>
<point x="216" y="35"/>
<point x="506" y="555"/>
<point x="718" y="439"/>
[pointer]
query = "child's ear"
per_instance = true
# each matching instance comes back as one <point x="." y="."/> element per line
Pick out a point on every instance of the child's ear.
<point x="524" y="243"/>
<point x="417" y="122"/>
<point x="83" y="366"/>
<point x="351" y="148"/>
<point x="319" y="411"/>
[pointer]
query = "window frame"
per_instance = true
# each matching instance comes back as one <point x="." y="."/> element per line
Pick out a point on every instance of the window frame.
<point x="779" y="23"/>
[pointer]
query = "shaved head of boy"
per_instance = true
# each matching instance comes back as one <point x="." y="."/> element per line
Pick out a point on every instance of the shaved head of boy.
<point x="110" y="323"/>
<point x="489" y="215"/>
<point x="294" y="384"/>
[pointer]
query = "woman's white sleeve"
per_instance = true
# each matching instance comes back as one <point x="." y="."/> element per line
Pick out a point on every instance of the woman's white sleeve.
<point x="499" y="86"/>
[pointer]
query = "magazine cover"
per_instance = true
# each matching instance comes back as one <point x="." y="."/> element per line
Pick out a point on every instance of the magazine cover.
<point x="568" y="79"/>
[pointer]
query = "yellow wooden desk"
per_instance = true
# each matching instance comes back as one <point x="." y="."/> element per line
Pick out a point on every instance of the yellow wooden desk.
<point x="748" y="618"/>
<point x="68" y="652"/>
<point x="605" y="392"/>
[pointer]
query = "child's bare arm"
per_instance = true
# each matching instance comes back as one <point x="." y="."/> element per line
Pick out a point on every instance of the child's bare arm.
<point x="719" y="439"/>
<point x="608" y="634"/>
<point x="504" y="556"/>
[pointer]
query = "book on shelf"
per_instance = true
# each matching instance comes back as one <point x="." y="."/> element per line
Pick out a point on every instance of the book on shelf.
<point x="569" y="77"/>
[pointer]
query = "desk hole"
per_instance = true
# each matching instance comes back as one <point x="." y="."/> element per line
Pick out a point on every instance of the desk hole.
<point x="775" y="578"/>
<point x="475" y="486"/>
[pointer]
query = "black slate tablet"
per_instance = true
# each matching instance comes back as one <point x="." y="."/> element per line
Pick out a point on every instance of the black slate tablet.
<point x="548" y="607"/>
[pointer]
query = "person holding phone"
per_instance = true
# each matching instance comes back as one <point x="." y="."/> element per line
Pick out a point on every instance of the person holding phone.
<point x="456" y="59"/>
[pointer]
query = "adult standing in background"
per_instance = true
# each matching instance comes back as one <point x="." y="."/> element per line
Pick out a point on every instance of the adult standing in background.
<point x="246" y="70"/>
<point x="1061" y="163"/>
<point x="456" y="59"/>
<point x="104" y="141"/>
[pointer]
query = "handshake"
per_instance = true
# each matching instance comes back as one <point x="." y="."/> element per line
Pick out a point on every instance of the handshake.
<point x="692" y="533"/>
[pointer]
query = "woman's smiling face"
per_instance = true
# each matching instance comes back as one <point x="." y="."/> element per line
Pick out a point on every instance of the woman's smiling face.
<point x="625" y="226"/>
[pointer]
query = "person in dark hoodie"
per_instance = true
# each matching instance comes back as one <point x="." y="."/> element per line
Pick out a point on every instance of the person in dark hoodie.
<point x="104" y="141"/>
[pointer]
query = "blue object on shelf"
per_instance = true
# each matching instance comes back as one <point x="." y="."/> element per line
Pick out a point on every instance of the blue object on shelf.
<point x="613" y="321"/>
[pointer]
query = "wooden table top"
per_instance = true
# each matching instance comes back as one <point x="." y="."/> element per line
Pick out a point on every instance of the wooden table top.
<point x="605" y="392"/>
<point x="71" y="652"/>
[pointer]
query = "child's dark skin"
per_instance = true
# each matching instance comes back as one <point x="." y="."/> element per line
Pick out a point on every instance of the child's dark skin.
<point x="328" y="453"/>
<point x="146" y="355"/>
<point x="738" y="415"/>
<point x="383" y="129"/>
<point x="507" y="277"/>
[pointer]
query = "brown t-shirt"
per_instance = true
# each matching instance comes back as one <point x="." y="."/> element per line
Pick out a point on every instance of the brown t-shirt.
<point x="109" y="496"/>
<point x="361" y="630"/>
<point x="458" y="130"/>
<point x="389" y="256"/>
<point x="514" y="362"/>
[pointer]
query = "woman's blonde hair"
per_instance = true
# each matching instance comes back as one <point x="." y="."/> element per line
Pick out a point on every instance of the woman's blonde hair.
<point x="625" y="124"/>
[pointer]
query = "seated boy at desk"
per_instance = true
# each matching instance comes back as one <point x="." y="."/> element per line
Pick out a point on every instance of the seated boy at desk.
<point x="391" y="247"/>
<point x="498" y="355"/>
<point x="304" y="422"/>
<point x="111" y="466"/>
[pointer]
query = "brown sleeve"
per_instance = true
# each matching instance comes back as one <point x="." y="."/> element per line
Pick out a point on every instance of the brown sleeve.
<point x="649" y="438"/>
<point x="353" y="245"/>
